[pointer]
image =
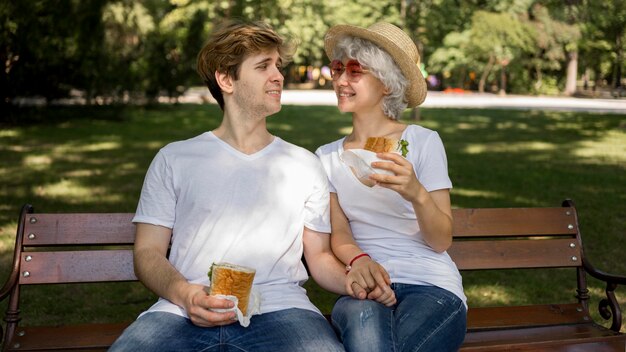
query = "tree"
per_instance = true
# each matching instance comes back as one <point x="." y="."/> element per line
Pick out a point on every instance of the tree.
<point x="605" y="23"/>
<point x="452" y="57"/>
<point x="555" y="42"/>
<point x="496" y="39"/>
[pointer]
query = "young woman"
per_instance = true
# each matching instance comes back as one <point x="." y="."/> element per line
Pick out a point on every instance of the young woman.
<point x="391" y="228"/>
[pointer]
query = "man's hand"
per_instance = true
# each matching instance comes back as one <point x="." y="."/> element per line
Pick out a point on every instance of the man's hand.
<point x="157" y="273"/>
<point x="200" y="305"/>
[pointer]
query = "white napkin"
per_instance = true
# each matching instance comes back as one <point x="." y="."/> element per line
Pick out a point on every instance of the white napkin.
<point x="360" y="160"/>
<point x="254" y="307"/>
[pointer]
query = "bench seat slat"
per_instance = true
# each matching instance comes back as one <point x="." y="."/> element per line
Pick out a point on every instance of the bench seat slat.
<point x="559" y="338"/>
<point x="96" y="337"/>
<point x="79" y="229"/>
<point x="530" y="316"/>
<point x="77" y="266"/>
<point x="513" y="222"/>
<point x="508" y="254"/>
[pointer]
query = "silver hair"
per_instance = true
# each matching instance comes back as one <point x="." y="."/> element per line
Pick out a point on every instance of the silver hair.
<point x="382" y="66"/>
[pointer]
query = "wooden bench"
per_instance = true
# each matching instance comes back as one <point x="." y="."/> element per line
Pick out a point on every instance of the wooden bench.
<point x="79" y="248"/>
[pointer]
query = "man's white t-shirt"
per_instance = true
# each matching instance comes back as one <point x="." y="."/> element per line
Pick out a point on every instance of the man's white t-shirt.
<point x="384" y="224"/>
<point x="226" y="206"/>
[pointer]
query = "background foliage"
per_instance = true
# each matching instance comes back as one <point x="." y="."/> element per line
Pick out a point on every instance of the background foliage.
<point x="122" y="49"/>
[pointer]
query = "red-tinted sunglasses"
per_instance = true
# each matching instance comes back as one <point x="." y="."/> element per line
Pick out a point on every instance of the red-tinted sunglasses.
<point x="353" y="70"/>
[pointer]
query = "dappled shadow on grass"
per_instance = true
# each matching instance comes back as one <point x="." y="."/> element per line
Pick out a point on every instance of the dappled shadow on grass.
<point x="95" y="160"/>
<point x="98" y="303"/>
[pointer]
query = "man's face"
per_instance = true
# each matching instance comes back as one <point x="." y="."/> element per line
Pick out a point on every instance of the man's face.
<point x="260" y="84"/>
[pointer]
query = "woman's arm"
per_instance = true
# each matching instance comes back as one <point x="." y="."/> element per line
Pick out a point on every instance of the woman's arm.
<point x="433" y="210"/>
<point x="364" y="273"/>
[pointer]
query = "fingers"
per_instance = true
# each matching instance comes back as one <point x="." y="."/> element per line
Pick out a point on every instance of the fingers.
<point x="383" y="295"/>
<point x="381" y="277"/>
<point x="357" y="284"/>
<point x="358" y="291"/>
<point x="394" y="159"/>
<point x="205" y="311"/>
<point x="363" y="274"/>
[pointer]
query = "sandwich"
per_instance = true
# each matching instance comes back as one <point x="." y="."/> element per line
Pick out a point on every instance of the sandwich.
<point x="381" y="145"/>
<point x="386" y="145"/>
<point x="232" y="280"/>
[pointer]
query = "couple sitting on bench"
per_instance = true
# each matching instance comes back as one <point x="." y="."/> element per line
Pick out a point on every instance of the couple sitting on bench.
<point x="240" y="195"/>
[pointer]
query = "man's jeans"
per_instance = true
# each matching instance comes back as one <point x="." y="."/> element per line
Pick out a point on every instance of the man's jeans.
<point x="285" y="330"/>
<point x="426" y="318"/>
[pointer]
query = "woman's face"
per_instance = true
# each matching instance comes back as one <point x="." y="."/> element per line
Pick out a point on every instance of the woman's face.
<point x="357" y="90"/>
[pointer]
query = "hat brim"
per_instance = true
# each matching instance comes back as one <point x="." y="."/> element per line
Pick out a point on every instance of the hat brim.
<point x="416" y="91"/>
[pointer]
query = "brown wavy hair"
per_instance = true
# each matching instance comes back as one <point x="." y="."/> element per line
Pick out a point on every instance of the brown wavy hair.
<point x="231" y="43"/>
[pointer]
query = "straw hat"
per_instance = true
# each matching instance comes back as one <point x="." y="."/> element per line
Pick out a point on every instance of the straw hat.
<point x="395" y="42"/>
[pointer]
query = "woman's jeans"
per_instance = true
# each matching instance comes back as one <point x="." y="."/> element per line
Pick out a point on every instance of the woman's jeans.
<point x="425" y="318"/>
<point x="285" y="330"/>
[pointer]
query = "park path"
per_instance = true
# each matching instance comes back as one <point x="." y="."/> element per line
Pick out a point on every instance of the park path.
<point x="476" y="100"/>
<point x="451" y="100"/>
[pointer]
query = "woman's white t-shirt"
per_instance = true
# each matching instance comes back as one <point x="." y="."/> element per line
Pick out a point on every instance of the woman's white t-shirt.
<point x="384" y="224"/>
<point x="226" y="206"/>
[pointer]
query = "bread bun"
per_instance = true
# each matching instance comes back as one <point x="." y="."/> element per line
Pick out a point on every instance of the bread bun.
<point x="232" y="280"/>
<point x="381" y="144"/>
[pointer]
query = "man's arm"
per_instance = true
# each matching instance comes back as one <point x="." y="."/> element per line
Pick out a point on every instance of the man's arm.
<point x="325" y="268"/>
<point x="157" y="274"/>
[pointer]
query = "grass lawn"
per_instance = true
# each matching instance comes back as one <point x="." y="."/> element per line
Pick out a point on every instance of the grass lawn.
<point x="94" y="159"/>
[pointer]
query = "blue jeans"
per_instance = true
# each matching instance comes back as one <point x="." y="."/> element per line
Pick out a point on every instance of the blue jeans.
<point x="425" y="318"/>
<point x="285" y="330"/>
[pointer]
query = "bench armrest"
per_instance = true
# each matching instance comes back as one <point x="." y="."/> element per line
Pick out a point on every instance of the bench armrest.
<point x="12" y="314"/>
<point x="608" y="307"/>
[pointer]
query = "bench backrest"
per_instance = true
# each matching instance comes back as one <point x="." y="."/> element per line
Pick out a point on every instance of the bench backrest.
<point x="71" y="248"/>
<point x="515" y="238"/>
<point x="82" y="247"/>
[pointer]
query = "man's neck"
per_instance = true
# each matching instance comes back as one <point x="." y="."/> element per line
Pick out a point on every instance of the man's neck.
<point x="246" y="134"/>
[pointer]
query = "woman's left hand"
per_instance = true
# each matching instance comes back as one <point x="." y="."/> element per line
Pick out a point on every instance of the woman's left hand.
<point x="403" y="181"/>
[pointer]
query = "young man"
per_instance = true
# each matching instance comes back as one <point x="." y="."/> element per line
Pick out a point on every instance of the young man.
<point x="240" y="195"/>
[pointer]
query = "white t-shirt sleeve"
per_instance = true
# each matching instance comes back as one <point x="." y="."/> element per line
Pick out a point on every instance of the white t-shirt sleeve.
<point x="432" y="167"/>
<point x="324" y="155"/>
<point x="157" y="203"/>
<point x="317" y="205"/>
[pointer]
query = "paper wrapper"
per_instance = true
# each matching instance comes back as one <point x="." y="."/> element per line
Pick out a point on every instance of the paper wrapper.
<point x="254" y="307"/>
<point x="360" y="161"/>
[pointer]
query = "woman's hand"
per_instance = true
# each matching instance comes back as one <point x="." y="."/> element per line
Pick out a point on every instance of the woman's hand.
<point x="368" y="279"/>
<point x="403" y="179"/>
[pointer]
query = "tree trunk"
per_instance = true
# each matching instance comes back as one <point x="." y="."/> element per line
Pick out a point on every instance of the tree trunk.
<point x="539" y="81"/>
<point x="502" y="91"/>
<point x="617" y="83"/>
<point x="416" y="114"/>
<point x="483" y="77"/>
<point x="572" y="73"/>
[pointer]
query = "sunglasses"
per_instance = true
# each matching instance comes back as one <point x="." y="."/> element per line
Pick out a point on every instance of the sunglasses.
<point x="353" y="70"/>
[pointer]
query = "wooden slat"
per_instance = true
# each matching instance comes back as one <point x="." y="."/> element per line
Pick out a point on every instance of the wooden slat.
<point x="79" y="229"/>
<point x="73" y="337"/>
<point x="513" y="222"/>
<point x="524" y="316"/>
<point x="508" y="254"/>
<point x="77" y="266"/>
<point x="559" y="338"/>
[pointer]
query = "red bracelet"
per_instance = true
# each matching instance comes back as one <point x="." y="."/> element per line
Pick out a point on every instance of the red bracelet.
<point x="349" y="266"/>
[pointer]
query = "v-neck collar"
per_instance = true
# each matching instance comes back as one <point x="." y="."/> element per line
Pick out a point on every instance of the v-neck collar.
<point x="240" y="154"/>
